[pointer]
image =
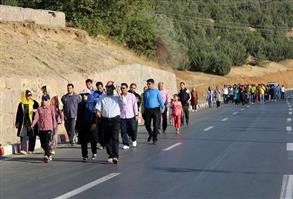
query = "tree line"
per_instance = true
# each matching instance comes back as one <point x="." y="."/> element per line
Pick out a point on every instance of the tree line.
<point x="210" y="36"/>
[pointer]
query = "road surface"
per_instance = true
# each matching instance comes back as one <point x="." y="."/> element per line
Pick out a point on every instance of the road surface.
<point x="231" y="152"/>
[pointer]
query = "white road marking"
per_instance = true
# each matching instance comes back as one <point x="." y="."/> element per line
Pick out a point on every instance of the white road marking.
<point x="172" y="146"/>
<point x="290" y="109"/>
<point x="242" y="109"/>
<point x="235" y="113"/>
<point x="224" y="119"/>
<point x="209" y="128"/>
<point x="289" y="119"/>
<point x="289" y="146"/>
<point x="287" y="187"/>
<point x="290" y="113"/>
<point x="288" y="128"/>
<point x="87" y="186"/>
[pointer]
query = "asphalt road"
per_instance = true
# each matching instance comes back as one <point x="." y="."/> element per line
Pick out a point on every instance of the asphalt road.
<point x="231" y="152"/>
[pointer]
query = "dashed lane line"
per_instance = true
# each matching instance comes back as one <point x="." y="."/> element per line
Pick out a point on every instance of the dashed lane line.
<point x="224" y="119"/>
<point x="209" y="128"/>
<point x="287" y="187"/>
<point x="172" y="146"/>
<point x="87" y="186"/>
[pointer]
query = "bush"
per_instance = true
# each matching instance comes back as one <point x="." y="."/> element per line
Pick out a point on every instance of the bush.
<point x="221" y="64"/>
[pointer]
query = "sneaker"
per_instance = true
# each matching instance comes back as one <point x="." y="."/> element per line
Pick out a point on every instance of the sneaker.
<point x="149" y="139"/>
<point x="110" y="160"/>
<point x="100" y="147"/>
<point x="125" y="147"/>
<point x="22" y="152"/>
<point x="134" y="143"/>
<point x="115" y="160"/>
<point x="84" y="158"/>
<point x="30" y="152"/>
<point x="53" y="152"/>
<point x="94" y="156"/>
<point x="50" y="158"/>
<point x="46" y="159"/>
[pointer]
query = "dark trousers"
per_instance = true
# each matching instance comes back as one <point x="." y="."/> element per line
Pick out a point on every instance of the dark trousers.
<point x="282" y="95"/>
<point x="163" y="119"/>
<point x="111" y="127"/>
<point x="70" y="128"/>
<point x="218" y="104"/>
<point x="152" y="114"/>
<point x="31" y="143"/>
<point x="128" y="128"/>
<point x="45" y="137"/>
<point x="84" y="151"/>
<point x="101" y="138"/>
<point x="185" y="114"/>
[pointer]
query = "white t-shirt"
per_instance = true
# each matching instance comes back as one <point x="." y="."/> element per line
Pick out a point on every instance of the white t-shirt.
<point x="108" y="105"/>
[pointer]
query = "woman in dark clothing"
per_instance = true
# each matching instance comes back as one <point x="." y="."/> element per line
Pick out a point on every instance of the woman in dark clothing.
<point x="86" y="125"/>
<point x="24" y="118"/>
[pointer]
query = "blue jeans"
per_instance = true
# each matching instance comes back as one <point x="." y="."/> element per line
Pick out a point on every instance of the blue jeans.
<point x="128" y="128"/>
<point x="262" y="98"/>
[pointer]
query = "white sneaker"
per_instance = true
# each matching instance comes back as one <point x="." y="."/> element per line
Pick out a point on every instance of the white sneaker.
<point x="53" y="152"/>
<point x="22" y="152"/>
<point x="110" y="160"/>
<point x="94" y="156"/>
<point x="134" y="143"/>
<point x="99" y="146"/>
<point x="125" y="147"/>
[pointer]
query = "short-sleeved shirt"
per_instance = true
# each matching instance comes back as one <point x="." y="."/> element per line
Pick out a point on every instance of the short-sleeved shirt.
<point x="70" y="105"/>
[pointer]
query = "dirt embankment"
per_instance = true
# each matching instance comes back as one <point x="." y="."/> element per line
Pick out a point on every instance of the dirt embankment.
<point x="30" y="49"/>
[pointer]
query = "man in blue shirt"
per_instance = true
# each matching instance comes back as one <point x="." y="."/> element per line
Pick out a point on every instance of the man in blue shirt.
<point x="153" y="107"/>
<point x="96" y="95"/>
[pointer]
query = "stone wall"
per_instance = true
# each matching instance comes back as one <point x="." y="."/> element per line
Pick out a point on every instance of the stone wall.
<point x="42" y="17"/>
<point x="11" y="87"/>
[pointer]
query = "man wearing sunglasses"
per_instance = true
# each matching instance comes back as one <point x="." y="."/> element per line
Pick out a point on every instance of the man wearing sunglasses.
<point x="108" y="109"/>
<point x="129" y="116"/>
<point x="153" y="107"/>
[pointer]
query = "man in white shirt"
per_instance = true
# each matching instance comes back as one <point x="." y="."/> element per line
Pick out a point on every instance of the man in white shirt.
<point x="108" y="108"/>
<point x="283" y="92"/>
<point x="225" y="94"/>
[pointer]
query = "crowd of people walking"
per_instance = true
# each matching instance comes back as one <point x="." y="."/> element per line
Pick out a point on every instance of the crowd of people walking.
<point x="97" y="116"/>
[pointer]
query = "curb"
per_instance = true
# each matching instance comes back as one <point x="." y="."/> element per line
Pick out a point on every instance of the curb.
<point x="15" y="148"/>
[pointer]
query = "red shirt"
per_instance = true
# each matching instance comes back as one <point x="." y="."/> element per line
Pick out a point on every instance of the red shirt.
<point x="176" y="108"/>
<point x="45" y="116"/>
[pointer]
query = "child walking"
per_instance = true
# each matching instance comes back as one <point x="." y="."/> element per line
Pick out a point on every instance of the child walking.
<point x="45" y="117"/>
<point x="176" y="113"/>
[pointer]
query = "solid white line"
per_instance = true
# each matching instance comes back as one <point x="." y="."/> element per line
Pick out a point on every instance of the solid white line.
<point x="172" y="146"/>
<point x="224" y="119"/>
<point x="87" y="186"/>
<point x="235" y="113"/>
<point x="289" y="119"/>
<point x="287" y="187"/>
<point x="209" y="128"/>
<point x="289" y="146"/>
<point x="288" y="128"/>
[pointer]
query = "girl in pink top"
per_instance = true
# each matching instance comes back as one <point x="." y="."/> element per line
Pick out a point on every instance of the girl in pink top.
<point x="176" y="113"/>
